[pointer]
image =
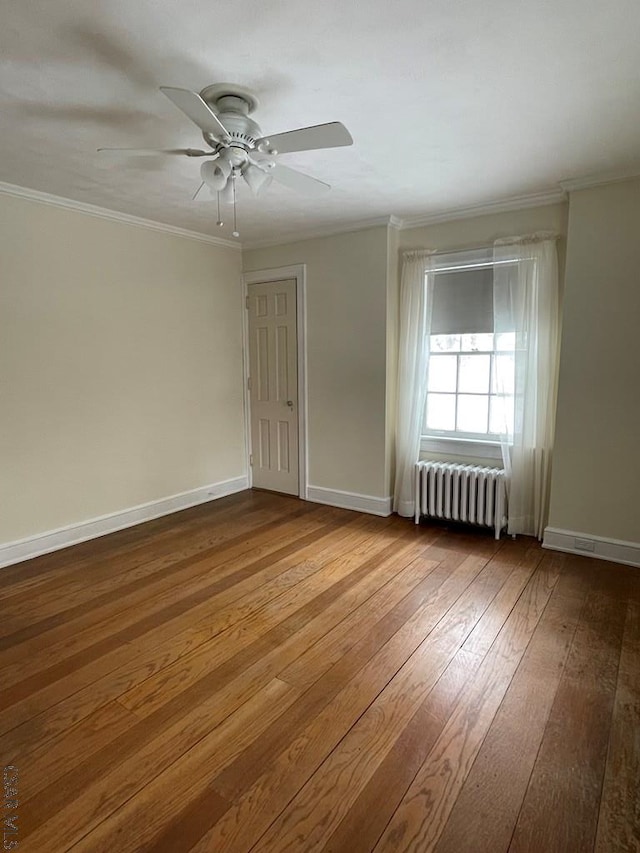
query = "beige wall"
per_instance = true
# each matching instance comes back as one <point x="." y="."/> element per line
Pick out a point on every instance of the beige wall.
<point x="120" y="366"/>
<point x="121" y="354"/>
<point x="346" y="354"/>
<point x="596" y="468"/>
<point x="483" y="230"/>
<point x="352" y="308"/>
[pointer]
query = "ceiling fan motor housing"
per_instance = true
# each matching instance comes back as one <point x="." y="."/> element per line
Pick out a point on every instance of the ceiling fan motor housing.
<point x="233" y="111"/>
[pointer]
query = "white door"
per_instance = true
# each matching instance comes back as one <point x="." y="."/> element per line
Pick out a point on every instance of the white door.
<point x="273" y="385"/>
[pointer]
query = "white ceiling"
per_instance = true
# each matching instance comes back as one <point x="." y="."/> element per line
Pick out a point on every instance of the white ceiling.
<point x="451" y="103"/>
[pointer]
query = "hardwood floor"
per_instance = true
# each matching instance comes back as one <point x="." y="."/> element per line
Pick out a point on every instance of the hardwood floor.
<point x="265" y="674"/>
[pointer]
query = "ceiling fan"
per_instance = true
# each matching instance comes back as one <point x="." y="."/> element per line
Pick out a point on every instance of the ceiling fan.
<point x="237" y="147"/>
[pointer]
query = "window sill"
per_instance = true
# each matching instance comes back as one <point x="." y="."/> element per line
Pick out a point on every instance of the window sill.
<point x="461" y="447"/>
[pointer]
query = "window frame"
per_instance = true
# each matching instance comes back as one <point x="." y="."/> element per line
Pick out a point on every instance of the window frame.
<point x="460" y="446"/>
<point x="486" y="445"/>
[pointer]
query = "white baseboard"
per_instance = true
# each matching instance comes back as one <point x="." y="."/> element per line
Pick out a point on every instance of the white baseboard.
<point x="52" y="540"/>
<point x="349" y="500"/>
<point x="616" y="550"/>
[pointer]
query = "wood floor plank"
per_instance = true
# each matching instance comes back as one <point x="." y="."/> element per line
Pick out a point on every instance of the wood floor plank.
<point x="282" y="764"/>
<point x="76" y="802"/>
<point x="35" y="728"/>
<point x="19" y="630"/>
<point x="374" y="807"/>
<point x="49" y="567"/>
<point x="619" y="819"/>
<point x="110" y="677"/>
<point x="240" y="577"/>
<point x="366" y="819"/>
<point x="325" y="799"/>
<point x="43" y="763"/>
<point x="159" y="610"/>
<point x="524" y="560"/>
<point x="319" y="617"/>
<point x="182" y="533"/>
<point x="374" y="660"/>
<point x="164" y="735"/>
<point x="158" y="690"/>
<point x="560" y="810"/>
<point x="419" y="820"/>
<point x="115" y="578"/>
<point x="485" y="812"/>
<point x="321" y="656"/>
<point x="164" y="818"/>
<point x="269" y="674"/>
<point x="114" y="555"/>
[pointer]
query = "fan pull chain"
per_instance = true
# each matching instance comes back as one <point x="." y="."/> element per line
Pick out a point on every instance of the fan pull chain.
<point x="220" y="223"/>
<point x="235" y="232"/>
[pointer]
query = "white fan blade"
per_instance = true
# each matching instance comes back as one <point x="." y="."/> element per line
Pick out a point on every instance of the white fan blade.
<point x="298" y="181"/>
<point x="331" y="135"/>
<point x="148" y="152"/>
<point x="197" y="110"/>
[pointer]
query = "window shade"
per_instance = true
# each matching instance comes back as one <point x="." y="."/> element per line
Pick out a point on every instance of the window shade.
<point x="462" y="302"/>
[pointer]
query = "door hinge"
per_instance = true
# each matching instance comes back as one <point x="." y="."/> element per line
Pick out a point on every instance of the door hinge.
<point x="246" y="302"/>
<point x="251" y="460"/>
<point x="248" y="383"/>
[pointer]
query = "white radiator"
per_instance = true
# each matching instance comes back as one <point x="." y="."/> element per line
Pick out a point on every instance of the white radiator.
<point x="465" y="493"/>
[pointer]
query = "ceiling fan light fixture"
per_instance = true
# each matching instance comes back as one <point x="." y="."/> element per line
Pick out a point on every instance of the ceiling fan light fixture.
<point x="215" y="174"/>
<point x="257" y="179"/>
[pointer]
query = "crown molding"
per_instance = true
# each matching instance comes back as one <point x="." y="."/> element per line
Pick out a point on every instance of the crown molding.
<point x="501" y="206"/>
<point x="297" y="237"/>
<point x="114" y="215"/>
<point x="552" y="196"/>
<point x="597" y="180"/>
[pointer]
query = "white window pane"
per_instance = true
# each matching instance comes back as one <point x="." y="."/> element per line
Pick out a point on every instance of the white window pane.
<point x="497" y="421"/>
<point x="505" y="340"/>
<point x="501" y="415"/>
<point x="504" y="368"/>
<point x="477" y="343"/>
<point x="474" y="374"/>
<point x="445" y="343"/>
<point x="473" y="413"/>
<point x="442" y="373"/>
<point x="441" y="411"/>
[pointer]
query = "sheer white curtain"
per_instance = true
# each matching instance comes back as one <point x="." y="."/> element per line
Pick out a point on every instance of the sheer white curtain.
<point x="526" y="302"/>
<point x="413" y="361"/>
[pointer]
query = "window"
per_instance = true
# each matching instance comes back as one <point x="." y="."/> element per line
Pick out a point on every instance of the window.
<point x="471" y="368"/>
<point x="463" y="397"/>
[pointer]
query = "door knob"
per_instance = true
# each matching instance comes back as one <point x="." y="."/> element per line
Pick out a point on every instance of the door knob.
<point x="290" y="403"/>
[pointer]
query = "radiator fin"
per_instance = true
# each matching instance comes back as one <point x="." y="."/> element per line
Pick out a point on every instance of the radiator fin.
<point x="468" y="493"/>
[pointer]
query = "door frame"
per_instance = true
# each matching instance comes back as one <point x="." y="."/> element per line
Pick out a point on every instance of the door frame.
<point x="299" y="273"/>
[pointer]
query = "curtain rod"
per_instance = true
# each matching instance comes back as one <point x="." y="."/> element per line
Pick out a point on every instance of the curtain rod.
<point x="502" y="241"/>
